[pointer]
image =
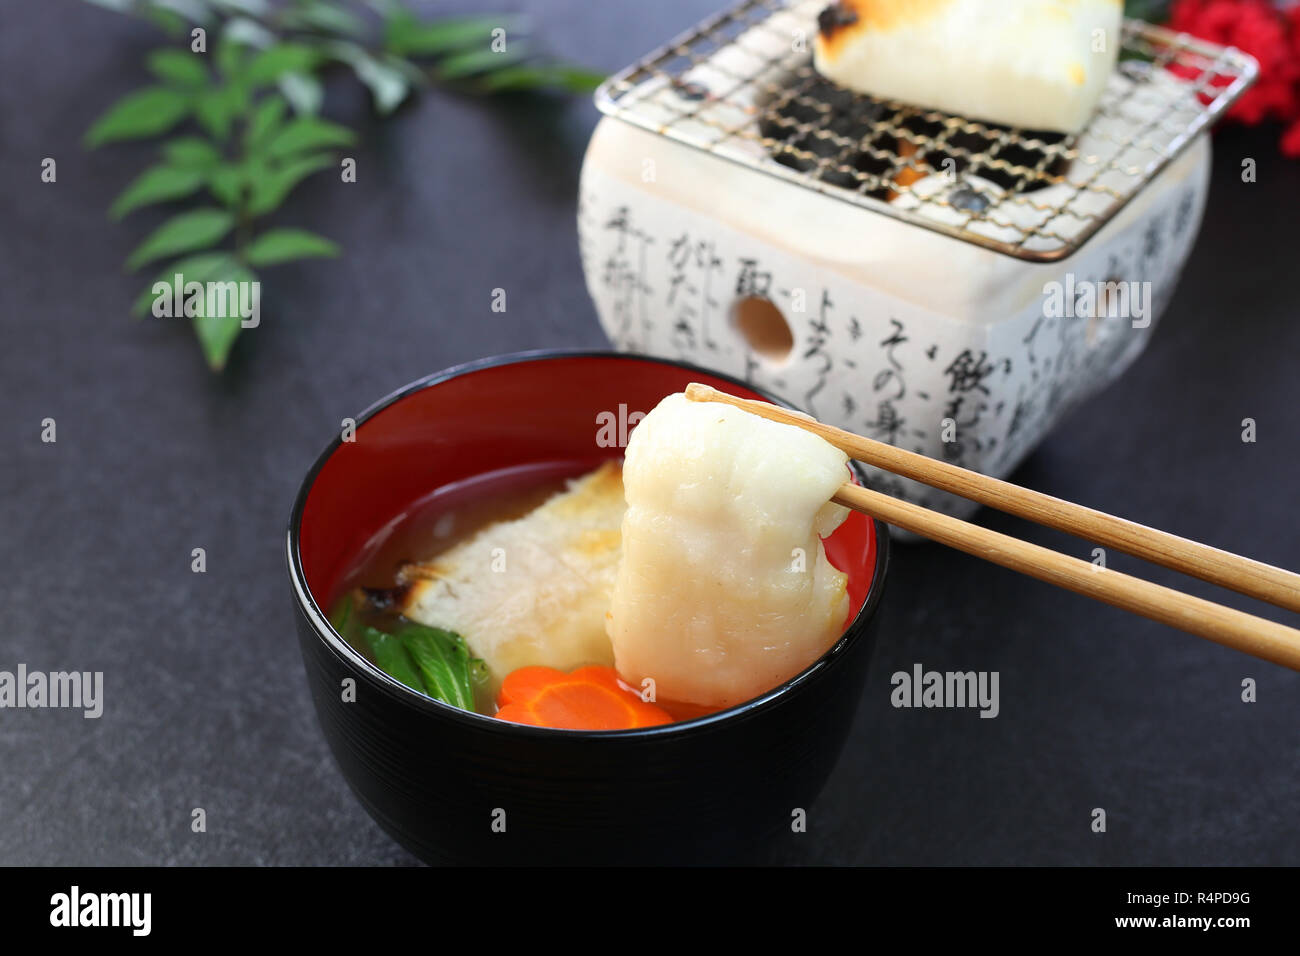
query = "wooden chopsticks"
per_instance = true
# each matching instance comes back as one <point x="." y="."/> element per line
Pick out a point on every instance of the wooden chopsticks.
<point x="1245" y="632"/>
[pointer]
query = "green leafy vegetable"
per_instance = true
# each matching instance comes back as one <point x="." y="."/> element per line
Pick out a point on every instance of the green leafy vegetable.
<point x="273" y="62"/>
<point x="266" y="120"/>
<point x="473" y="62"/>
<point x="393" y="658"/>
<point x="232" y="51"/>
<point x="430" y="660"/>
<point x="157" y="184"/>
<point x="147" y="112"/>
<point x="444" y="663"/>
<point x="217" y="110"/>
<point x="269" y="190"/>
<point x="341" y="616"/>
<point x="405" y="35"/>
<point x="284" y="245"/>
<point x="202" y="267"/>
<point x="326" y="17"/>
<point x="218" y="318"/>
<point x="548" y="76"/>
<point x="307" y="133"/>
<point x="196" y="229"/>
<point x="191" y="152"/>
<point x="218" y="330"/>
<point x="227" y="183"/>
<point x="178" y="67"/>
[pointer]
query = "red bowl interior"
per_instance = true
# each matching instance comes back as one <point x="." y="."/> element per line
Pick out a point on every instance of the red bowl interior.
<point x="482" y="419"/>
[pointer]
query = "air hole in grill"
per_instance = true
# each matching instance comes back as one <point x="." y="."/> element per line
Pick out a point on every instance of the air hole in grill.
<point x="763" y="327"/>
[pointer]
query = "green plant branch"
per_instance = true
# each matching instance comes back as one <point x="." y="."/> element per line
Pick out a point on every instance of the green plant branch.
<point x="250" y="96"/>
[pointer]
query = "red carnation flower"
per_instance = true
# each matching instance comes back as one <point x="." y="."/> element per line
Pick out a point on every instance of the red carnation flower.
<point x="1269" y="33"/>
<point x="1291" y="141"/>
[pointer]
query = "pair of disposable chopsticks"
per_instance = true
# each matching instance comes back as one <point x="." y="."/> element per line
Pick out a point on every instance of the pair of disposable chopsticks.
<point x="1253" y="635"/>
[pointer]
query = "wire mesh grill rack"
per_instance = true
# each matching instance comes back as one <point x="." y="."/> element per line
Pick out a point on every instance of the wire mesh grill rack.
<point x="741" y="85"/>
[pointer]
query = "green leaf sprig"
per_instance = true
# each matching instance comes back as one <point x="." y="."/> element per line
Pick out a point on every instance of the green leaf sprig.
<point x="430" y="660"/>
<point x="250" y="104"/>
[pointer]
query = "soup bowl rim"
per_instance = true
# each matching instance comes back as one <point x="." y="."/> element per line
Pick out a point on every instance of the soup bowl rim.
<point x="317" y="617"/>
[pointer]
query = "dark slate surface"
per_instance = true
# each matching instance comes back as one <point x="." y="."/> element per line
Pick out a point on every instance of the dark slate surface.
<point x="206" y="703"/>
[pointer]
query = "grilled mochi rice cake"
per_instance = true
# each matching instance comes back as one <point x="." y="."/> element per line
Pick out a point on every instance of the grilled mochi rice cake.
<point x="1038" y="64"/>
<point x="725" y="590"/>
<point x="532" y="591"/>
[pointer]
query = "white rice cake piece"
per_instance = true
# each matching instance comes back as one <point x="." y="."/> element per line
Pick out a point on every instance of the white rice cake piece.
<point x="1038" y="64"/>
<point x="533" y="591"/>
<point x="725" y="591"/>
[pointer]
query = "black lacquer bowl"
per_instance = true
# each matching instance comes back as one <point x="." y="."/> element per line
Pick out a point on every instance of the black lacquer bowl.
<point x="452" y="786"/>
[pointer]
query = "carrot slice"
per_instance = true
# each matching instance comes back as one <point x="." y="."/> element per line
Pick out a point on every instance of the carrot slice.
<point x="590" y="698"/>
<point x="526" y="683"/>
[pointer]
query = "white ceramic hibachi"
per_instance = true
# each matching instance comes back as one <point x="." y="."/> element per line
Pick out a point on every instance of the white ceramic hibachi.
<point x="918" y="331"/>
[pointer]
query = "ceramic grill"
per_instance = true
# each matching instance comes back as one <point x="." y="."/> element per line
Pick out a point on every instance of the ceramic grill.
<point x="949" y="285"/>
